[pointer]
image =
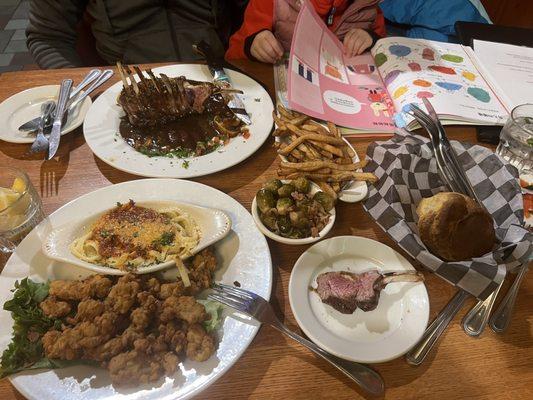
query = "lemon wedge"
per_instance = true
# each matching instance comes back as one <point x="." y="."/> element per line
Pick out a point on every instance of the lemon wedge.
<point x="7" y="197"/>
<point x="18" y="185"/>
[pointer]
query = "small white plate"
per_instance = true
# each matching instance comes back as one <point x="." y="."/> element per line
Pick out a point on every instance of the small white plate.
<point x="357" y="191"/>
<point x="26" y="105"/>
<point x="267" y="232"/>
<point x="375" y="336"/>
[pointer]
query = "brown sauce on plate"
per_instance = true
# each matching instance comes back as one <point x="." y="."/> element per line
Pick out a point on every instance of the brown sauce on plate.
<point x="183" y="134"/>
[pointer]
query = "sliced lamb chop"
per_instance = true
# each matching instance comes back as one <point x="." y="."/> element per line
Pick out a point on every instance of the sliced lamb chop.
<point x="347" y="291"/>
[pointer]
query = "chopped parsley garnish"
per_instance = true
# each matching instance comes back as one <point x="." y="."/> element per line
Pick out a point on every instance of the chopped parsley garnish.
<point x="104" y="234"/>
<point x="185" y="164"/>
<point x="135" y="234"/>
<point x="166" y="239"/>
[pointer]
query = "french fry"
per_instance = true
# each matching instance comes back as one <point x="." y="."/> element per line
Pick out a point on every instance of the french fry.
<point x="316" y="165"/>
<point x="345" y="176"/>
<point x="299" y="120"/>
<point x="328" y="147"/>
<point x="336" y="186"/>
<point x="349" y="151"/>
<point x="326" y="188"/>
<point x="319" y="127"/>
<point x="286" y="114"/>
<point x="315" y="138"/>
<point x="333" y="129"/>
<point x="310" y="128"/>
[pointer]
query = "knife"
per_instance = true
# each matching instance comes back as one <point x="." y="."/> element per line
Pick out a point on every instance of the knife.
<point x="55" y="135"/>
<point x="33" y="124"/>
<point x="216" y="67"/>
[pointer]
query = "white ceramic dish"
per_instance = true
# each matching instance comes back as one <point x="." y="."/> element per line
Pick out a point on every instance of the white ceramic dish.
<point x="101" y="130"/>
<point x="267" y="232"/>
<point x="375" y="336"/>
<point x="26" y="105"/>
<point x="214" y="225"/>
<point x="243" y="256"/>
<point x="357" y="190"/>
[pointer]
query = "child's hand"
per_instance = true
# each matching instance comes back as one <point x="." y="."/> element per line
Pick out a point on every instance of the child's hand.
<point x="356" y="41"/>
<point x="266" y="47"/>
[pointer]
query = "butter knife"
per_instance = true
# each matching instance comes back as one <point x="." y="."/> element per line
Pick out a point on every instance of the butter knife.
<point x="33" y="124"/>
<point x="55" y="135"/>
<point x="216" y="67"/>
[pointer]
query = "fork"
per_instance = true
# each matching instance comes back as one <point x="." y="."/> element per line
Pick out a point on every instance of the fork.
<point x="40" y="143"/>
<point x="258" y="308"/>
<point x="475" y="321"/>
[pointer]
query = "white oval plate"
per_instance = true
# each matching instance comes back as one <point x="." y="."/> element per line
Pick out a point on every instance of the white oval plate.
<point x="267" y="232"/>
<point x="101" y="130"/>
<point x="357" y="191"/>
<point x="214" y="225"/>
<point x="243" y="256"/>
<point x="380" y="335"/>
<point x="26" y="105"/>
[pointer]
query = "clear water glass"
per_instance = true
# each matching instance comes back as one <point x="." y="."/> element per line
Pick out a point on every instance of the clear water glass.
<point x="20" y="209"/>
<point x="516" y="139"/>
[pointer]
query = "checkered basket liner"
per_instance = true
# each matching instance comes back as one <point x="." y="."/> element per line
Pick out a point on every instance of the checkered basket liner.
<point x="407" y="172"/>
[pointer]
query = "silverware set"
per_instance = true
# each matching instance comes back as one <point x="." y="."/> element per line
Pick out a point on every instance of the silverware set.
<point x="258" y="308"/>
<point x="54" y="115"/>
<point x="475" y="321"/>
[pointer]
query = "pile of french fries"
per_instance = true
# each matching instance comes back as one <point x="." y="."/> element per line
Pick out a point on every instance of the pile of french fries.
<point x="316" y="152"/>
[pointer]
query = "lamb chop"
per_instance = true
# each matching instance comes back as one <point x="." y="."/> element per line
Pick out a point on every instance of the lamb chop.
<point x="154" y="99"/>
<point x="347" y="291"/>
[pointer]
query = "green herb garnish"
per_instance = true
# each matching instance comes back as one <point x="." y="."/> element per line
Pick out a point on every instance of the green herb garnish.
<point x="185" y="164"/>
<point x="166" y="239"/>
<point x="25" y="350"/>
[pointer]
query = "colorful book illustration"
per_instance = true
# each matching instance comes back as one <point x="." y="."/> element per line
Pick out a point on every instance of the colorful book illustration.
<point x="373" y="91"/>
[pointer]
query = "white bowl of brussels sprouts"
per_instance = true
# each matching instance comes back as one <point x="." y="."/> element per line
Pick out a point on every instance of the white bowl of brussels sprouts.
<point x="293" y="211"/>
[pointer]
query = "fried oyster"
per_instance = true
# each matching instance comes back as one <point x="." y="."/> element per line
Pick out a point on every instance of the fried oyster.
<point x="137" y="327"/>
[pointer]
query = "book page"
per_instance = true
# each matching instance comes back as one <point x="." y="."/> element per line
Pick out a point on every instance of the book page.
<point x="442" y="72"/>
<point x="323" y="83"/>
<point x="510" y="69"/>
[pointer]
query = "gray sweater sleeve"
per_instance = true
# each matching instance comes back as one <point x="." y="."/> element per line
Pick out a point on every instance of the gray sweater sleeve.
<point x="51" y="33"/>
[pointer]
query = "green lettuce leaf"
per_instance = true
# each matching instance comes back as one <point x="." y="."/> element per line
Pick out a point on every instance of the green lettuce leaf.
<point x="214" y="309"/>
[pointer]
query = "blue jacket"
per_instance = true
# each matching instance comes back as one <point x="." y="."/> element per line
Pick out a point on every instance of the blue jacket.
<point x="430" y="19"/>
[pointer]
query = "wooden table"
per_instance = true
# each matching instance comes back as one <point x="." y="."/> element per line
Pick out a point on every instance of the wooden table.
<point x="493" y="366"/>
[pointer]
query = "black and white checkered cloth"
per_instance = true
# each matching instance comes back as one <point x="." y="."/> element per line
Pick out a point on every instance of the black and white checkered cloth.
<point x="407" y="172"/>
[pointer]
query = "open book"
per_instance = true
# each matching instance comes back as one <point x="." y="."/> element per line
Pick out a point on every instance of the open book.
<point x="372" y="92"/>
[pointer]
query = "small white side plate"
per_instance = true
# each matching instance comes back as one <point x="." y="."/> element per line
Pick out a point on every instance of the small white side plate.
<point x="214" y="225"/>
<point x="26" y="105"/>
<point x="375" y="336"/>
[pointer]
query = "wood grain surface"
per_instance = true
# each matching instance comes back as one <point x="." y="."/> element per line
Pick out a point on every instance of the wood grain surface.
<point x="491" y="367"/>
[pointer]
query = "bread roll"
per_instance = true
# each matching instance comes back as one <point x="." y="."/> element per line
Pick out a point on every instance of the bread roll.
<point x="454" y="227"/>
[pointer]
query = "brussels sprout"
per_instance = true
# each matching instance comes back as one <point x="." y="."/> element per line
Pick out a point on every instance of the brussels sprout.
<point x="325" y="200"/>
<point x="284" y="225"/>
<point x="283" y="205"/>
<point x="269" y="220"/>
<point x="265" y="200"/>
<point x="273" y="185"/>
<point x="299" y="219"/>
<point x="286" y="190"/>
<point x="301" y="184"/>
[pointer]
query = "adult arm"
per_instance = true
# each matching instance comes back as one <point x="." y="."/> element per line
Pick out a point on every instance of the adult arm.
<point x="51" y="33"/>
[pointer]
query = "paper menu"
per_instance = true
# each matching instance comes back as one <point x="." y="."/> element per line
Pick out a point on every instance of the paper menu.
<point x="324" y="84"/>
<point x="509" y="69"/>
<point x="443" y="72"/>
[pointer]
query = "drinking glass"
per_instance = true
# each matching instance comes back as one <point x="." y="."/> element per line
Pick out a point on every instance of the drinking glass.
<point x="516" y="139"/>
<point x="20" y="209"/>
